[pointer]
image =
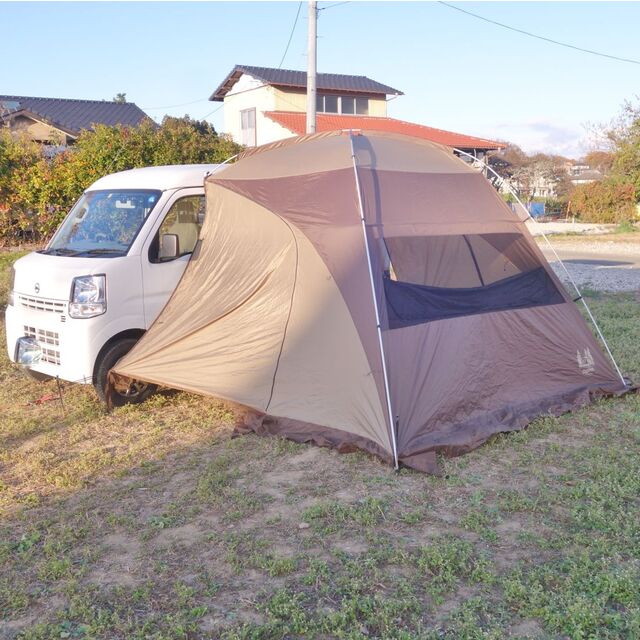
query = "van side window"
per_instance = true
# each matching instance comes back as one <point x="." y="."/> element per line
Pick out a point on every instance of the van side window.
<point x="184" y="220"/>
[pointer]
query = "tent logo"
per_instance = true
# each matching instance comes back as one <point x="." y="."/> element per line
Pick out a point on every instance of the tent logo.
<point x="586" y="363"/>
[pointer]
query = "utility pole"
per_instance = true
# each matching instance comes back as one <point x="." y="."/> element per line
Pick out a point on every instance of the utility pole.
<point x="312" y="46"/>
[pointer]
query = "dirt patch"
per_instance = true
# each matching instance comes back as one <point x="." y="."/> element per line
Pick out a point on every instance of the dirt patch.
<point x="187" y="535"/>
<point x="352" y="547"/>
<point x="119" y="564"/>
<point x="453" y="602"/>
<point x="526" y="629"/>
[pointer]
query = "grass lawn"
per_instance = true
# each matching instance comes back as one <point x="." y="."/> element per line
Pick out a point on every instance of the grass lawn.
<point x="151" y="522"/>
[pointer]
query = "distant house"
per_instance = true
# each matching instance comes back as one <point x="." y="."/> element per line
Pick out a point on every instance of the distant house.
<point x="592" y="175"/>
<point x="580" y="173"/>
<point x="263" y="105"/>
<point x="59" y="121"/>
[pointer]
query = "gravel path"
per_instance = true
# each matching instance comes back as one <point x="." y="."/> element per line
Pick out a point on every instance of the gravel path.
<point x="603" y="266"/>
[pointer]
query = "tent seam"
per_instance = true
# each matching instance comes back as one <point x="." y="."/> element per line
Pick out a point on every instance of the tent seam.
<point x="286" y="325"/>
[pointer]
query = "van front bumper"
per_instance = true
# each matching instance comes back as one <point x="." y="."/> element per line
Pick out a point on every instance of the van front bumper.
<point x="66" y="351"/>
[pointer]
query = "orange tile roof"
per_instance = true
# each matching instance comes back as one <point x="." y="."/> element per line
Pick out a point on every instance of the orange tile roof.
<point x="296" y="121"/>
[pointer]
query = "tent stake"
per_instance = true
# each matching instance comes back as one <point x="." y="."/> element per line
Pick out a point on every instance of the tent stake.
<point x="375" y="306"/>
<point x="555" y="253"/>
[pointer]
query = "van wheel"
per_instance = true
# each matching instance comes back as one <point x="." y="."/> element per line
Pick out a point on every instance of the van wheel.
<point x="133" y="391"/>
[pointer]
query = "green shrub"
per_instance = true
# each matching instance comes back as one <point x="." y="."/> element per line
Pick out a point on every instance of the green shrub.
<point x="610" y="201"/>
<point x="36" y="191"/>
<point x="556" y="206"/>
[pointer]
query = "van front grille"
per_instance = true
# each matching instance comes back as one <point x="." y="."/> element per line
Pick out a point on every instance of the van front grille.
<point x="41" y="304"/>
<point x="49" y="342"/>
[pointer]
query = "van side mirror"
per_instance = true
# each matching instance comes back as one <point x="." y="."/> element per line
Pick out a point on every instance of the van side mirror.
<point x="169" y="246"/>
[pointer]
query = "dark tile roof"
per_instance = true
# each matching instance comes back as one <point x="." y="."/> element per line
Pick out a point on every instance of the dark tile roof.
<point x="73" y="116"/>
<point x="298" y="79"/>
<point x="591" y="175"/>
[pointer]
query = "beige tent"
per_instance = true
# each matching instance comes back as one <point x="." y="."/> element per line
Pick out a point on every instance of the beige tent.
<point x="371" y="291"/>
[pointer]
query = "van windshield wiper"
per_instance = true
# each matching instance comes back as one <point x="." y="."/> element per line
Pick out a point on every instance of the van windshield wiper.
<point x="82" y="252"/>
<point x="98" y="252"/>
<point x="60" y="252"/>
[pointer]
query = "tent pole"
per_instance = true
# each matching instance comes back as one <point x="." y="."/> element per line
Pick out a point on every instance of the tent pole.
<point x="229" y="159"/>
<point x="392" y="425"/>
<point x="555" y="253"/>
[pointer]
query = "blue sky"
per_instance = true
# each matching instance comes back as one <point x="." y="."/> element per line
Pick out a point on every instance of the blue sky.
<point x="457" y="72"/>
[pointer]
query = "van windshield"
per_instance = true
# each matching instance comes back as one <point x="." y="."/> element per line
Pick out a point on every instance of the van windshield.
<point x="103" y="223"/>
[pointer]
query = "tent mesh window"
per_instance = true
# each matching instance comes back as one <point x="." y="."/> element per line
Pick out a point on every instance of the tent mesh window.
<point x="435" y="277"/>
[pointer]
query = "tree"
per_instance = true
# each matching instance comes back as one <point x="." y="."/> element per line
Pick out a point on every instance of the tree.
<point x="600" y="160"/>
<point x="609" y="201"/>
<point x="514" y="155"/>
<point x="533" y="175"/>
<point x="120" y="98"/>
<point x="19" y="155"/>
<point x="622" y="137"/>
<point x="626" y="163"/>
<point x="36" y="191"/>
<point x="550" y="170"/>
<point x="615" y="198"/>
<point x="512" y="163"/>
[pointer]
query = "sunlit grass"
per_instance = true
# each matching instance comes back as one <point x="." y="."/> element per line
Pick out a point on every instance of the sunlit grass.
<point x="152" y="522"/>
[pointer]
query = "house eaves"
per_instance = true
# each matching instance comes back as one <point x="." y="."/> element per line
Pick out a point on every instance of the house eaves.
<point x="7" y="117"/>
<point x="298" y="80"/>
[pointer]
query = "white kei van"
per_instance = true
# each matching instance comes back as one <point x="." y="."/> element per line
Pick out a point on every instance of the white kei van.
<point x="76" y="307"/>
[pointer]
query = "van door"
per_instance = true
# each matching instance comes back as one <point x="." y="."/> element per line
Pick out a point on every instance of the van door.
<point x="183" y="218"/>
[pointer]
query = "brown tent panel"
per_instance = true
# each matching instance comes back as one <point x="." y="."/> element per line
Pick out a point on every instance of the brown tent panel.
<point x="307" y="242"/>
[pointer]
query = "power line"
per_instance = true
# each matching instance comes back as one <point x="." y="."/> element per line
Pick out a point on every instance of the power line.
<point x="293" y="28"/>
<point x="214" y="111"/>
<point x="295" y="22"/>
<point x="533" y="35"/>
<point x="185" y="104"/>
<point x="284" y="55"/>
<point x="335" y="4"/>
<point x="174" y="106"/>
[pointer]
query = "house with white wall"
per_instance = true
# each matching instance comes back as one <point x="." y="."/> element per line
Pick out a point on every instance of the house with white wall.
<point x="263" y="105"/>
<point x="581" y="173"/>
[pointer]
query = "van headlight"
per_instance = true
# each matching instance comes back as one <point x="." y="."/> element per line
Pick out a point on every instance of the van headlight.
<point x="12" y="284"/>
<point x="88" y="296"/>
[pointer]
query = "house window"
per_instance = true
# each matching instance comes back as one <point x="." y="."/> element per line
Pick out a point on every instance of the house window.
<point x="327" y="103"/>
<point x="331" y="104"/>
<point x="248" y="127"/>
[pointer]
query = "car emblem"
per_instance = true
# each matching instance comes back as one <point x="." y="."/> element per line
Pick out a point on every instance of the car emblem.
<point x="36" y="288"/>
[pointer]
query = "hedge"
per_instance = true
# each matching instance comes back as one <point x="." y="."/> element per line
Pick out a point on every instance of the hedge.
<point x="38" y="188"/>
<point x="610" y="201"/>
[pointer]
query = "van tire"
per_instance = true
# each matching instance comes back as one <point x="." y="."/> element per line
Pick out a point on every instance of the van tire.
<point x="137" y="391"/>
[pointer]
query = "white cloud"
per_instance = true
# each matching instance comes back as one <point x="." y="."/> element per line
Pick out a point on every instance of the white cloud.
<point x="543" y="136"/>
